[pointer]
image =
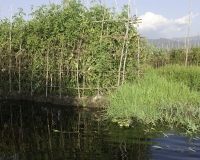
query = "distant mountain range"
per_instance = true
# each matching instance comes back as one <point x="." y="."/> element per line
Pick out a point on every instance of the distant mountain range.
<point x="174" y="42"/>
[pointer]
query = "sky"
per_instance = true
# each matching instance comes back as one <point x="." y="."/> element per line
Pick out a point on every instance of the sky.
<point x="160" y="18"/>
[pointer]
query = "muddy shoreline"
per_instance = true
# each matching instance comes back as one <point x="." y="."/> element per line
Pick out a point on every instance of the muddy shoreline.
<point x="89" y="102"/>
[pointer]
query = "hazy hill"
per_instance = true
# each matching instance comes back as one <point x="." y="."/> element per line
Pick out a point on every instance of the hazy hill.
<point x="174" y="42"/>
<point x="194" y="41"/>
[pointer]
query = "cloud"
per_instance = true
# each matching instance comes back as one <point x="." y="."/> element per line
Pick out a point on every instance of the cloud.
<point x="185" y="19"/>
<point x="156" y="26"/>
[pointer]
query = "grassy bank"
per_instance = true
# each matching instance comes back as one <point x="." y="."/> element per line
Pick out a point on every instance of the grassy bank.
<point x="157" y="98"/>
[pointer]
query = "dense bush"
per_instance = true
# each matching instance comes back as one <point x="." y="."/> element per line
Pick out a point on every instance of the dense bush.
<point x="67" y="47"/>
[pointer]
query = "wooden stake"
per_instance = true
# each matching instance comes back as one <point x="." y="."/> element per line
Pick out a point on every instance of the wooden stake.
<point x="138" y="42"/>
<point x="0" y="60"/>
<point x="51" y="77"/>
<point x="47" y="72"/>
<point x="60" y="73"/>
<point x="188" y="38"/>
<point x="102" y="27"/>
<point x="10" y="60"/>
<point x="126" y="44"/>
<point x="20" y="49"/>
<point x="77" y="75"/>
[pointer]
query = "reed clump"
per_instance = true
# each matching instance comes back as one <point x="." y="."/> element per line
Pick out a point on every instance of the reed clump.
<point x="156" y="99"/>
<point x="189" y="75"/>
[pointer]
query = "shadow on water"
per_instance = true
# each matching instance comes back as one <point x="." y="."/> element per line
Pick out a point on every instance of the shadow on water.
<point x="39" y="131"/>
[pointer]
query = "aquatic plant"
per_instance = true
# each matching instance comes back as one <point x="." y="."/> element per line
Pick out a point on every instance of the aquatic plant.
<point x="155" y="99"/>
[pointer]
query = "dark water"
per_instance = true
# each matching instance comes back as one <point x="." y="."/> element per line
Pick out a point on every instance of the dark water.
<point x="36" y="131"/>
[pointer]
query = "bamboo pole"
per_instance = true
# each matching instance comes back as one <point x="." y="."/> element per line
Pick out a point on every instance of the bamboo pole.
<point x="188" y="38"/>
<point x="120" y="64"/>
<point x="84" y="79"/>
<point x="138" y="56"/>
<point x="47" y="71"/>
<point x="10" y="60"/>
<point x="196" y="42"/>
<point x="0" y="15"/>
<point x="178" y="44"/>
<point x="138" y="42"/>
<point x="102" y="27"/>
<point x="20" y="49"/>
<point x="32" y="76"/>
<point x="126" y="39"/>
<point x="0" y="75"/>
<point x="51" y="78"/>
<point x="117" y="6"/>
<point x="0" y="60"/>
<point x="126" y="20"/>
<point x="60" y="73"/>
<point x="85" y="88"/>
<point x="77" y="75"/>
<point x="122" y="54"/>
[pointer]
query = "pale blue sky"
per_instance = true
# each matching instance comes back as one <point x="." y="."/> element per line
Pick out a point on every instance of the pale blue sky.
<point x="161" y="18"/>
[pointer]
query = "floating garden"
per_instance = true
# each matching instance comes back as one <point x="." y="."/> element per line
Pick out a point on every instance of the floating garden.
<point x="73" y="50"/>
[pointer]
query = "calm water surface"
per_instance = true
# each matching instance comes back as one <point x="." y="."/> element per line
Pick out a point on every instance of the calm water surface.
<point x="38" y="131"/>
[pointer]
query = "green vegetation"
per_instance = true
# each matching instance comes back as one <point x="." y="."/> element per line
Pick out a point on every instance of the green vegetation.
<point x="56" y="52"/>
<point x="190" y="75"/>
<point x="162" y="57"/>
<point x="157" y="99"/>
<point x="70" y="49"/>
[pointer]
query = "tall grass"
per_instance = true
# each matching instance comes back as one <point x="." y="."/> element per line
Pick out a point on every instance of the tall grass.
<point x="189" y="75"/>
<point x="155" y="99"/>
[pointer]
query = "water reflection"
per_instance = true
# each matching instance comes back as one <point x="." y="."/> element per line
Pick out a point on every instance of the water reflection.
<point x="42" y="131"/>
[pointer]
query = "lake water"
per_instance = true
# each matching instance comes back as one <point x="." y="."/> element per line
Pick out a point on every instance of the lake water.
<point x="39" y="131"/>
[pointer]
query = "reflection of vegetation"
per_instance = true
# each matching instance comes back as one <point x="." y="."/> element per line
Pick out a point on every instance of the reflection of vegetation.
<point x="166" y="95"/>
<point x="45" y="132"/>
